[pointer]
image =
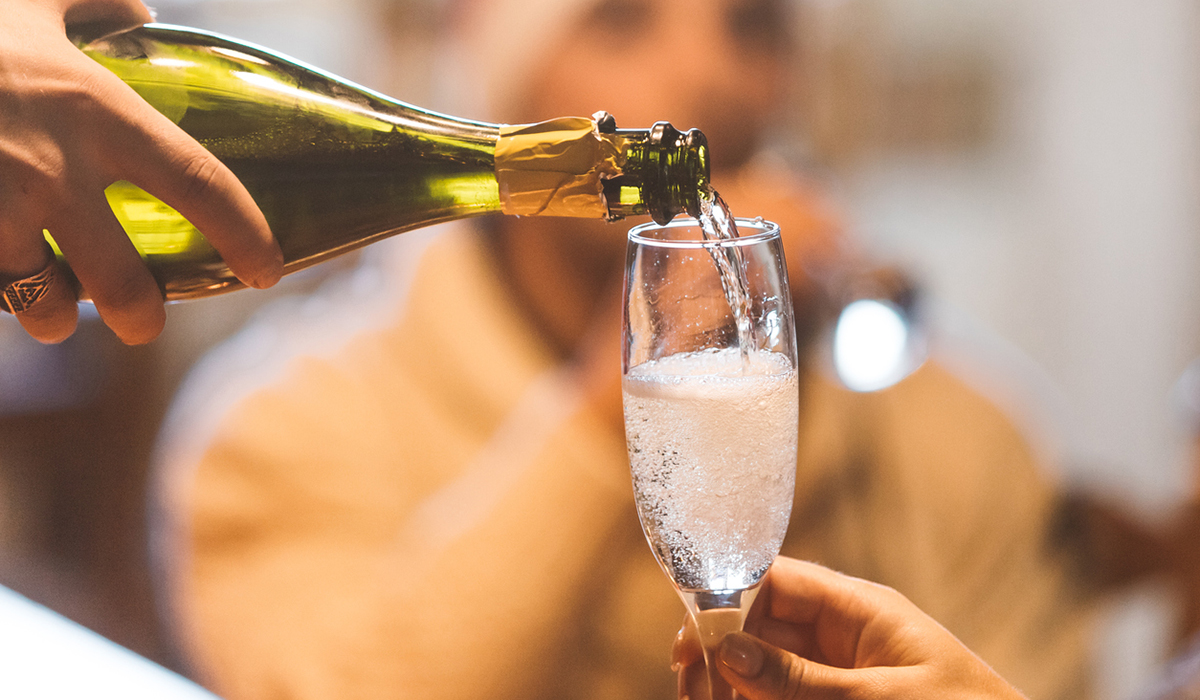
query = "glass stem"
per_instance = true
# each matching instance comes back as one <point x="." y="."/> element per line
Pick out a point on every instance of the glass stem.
<point x="716" y="615"/>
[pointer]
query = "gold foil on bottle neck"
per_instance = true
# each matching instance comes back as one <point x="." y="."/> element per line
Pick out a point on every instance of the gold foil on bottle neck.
<point x="555" y="168"/>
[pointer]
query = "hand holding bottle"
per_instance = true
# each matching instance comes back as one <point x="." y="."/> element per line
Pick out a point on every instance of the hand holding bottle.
<point x="820" y="634"/>
<point x="68" y="129"/>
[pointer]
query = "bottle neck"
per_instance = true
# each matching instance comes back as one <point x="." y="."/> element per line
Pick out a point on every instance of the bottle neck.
<point x="664" y="173"/>
<point x="555" y="168"/>
<point x="582" y="167"/>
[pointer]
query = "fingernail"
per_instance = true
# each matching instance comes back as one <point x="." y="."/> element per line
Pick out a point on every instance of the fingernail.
<point x="271" y="275"/>
<point x="741" y="654"/>
<point x="266" y="280"/>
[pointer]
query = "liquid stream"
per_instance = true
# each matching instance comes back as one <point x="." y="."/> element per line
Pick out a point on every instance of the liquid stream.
<point x="718" y="223"/>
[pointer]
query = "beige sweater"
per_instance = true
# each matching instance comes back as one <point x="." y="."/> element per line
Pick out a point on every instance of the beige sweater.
<point x="393" y="492"/>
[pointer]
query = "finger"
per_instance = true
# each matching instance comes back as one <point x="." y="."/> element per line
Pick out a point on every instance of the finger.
<point x="44" y="303"/>
<point x="91" y="19"/>
<point x="24" y="249"/>
<point x="53" y="316"/>
<point x="848" y="615"/>
<point x="109" y="270"/>
<point x="687" y="660"/>
<point x="693" y="681"/>
<point x="759" y="671"/>
<point x="798" y="639"/>
<point x="175" y="168"/>
<point x="803" y="592"/>
<point x="760" y="609"/>
<point x="686" y="649"/>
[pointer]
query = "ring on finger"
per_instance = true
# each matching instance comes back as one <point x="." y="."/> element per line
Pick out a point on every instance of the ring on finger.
<point x="25" y="293"/>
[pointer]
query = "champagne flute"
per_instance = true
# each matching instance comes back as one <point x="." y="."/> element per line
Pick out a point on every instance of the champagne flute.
<point x="710" y="424"/>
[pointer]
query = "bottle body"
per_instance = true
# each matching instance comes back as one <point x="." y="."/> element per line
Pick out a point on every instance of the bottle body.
<point x="334" y="166"/>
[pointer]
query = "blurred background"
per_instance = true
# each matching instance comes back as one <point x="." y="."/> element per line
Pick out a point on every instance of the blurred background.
<point x="1033" y="164"/>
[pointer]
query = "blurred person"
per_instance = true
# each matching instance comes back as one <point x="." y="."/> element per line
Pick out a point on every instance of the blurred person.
<point x="416" y="484"/>
<point x="69" y="129"/>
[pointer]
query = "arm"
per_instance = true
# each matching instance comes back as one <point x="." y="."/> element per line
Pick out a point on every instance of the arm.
<point x="816" y="633"/>
<point x="68" y="129"/>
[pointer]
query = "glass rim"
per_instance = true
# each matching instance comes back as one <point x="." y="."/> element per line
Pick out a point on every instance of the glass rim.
<point x="766" y="230"/>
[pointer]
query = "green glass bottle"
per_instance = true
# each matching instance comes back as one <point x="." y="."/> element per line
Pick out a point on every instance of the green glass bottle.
<point x="335" y="166"/>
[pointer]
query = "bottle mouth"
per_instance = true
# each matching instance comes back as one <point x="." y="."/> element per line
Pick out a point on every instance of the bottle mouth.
<point x="688" y="174"/>
<point x="686" y="232"/>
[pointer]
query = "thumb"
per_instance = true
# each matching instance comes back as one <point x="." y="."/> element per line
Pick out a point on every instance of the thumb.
<point x="759" y="671"/>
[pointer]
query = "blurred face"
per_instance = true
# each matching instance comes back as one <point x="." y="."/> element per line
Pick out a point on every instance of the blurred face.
<point x="715" y="65"/>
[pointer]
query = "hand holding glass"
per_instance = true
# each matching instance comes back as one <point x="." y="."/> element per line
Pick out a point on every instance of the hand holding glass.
<point x="710" y="425"/>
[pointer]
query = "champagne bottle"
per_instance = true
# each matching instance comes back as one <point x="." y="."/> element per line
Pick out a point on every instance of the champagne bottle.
<point x="335" y="166"/>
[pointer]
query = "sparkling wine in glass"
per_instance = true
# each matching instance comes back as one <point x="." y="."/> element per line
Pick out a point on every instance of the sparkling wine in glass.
<point x="710" y="423"/>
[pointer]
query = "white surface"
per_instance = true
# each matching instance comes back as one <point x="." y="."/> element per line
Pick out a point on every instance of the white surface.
<point x="45" y="656"/>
